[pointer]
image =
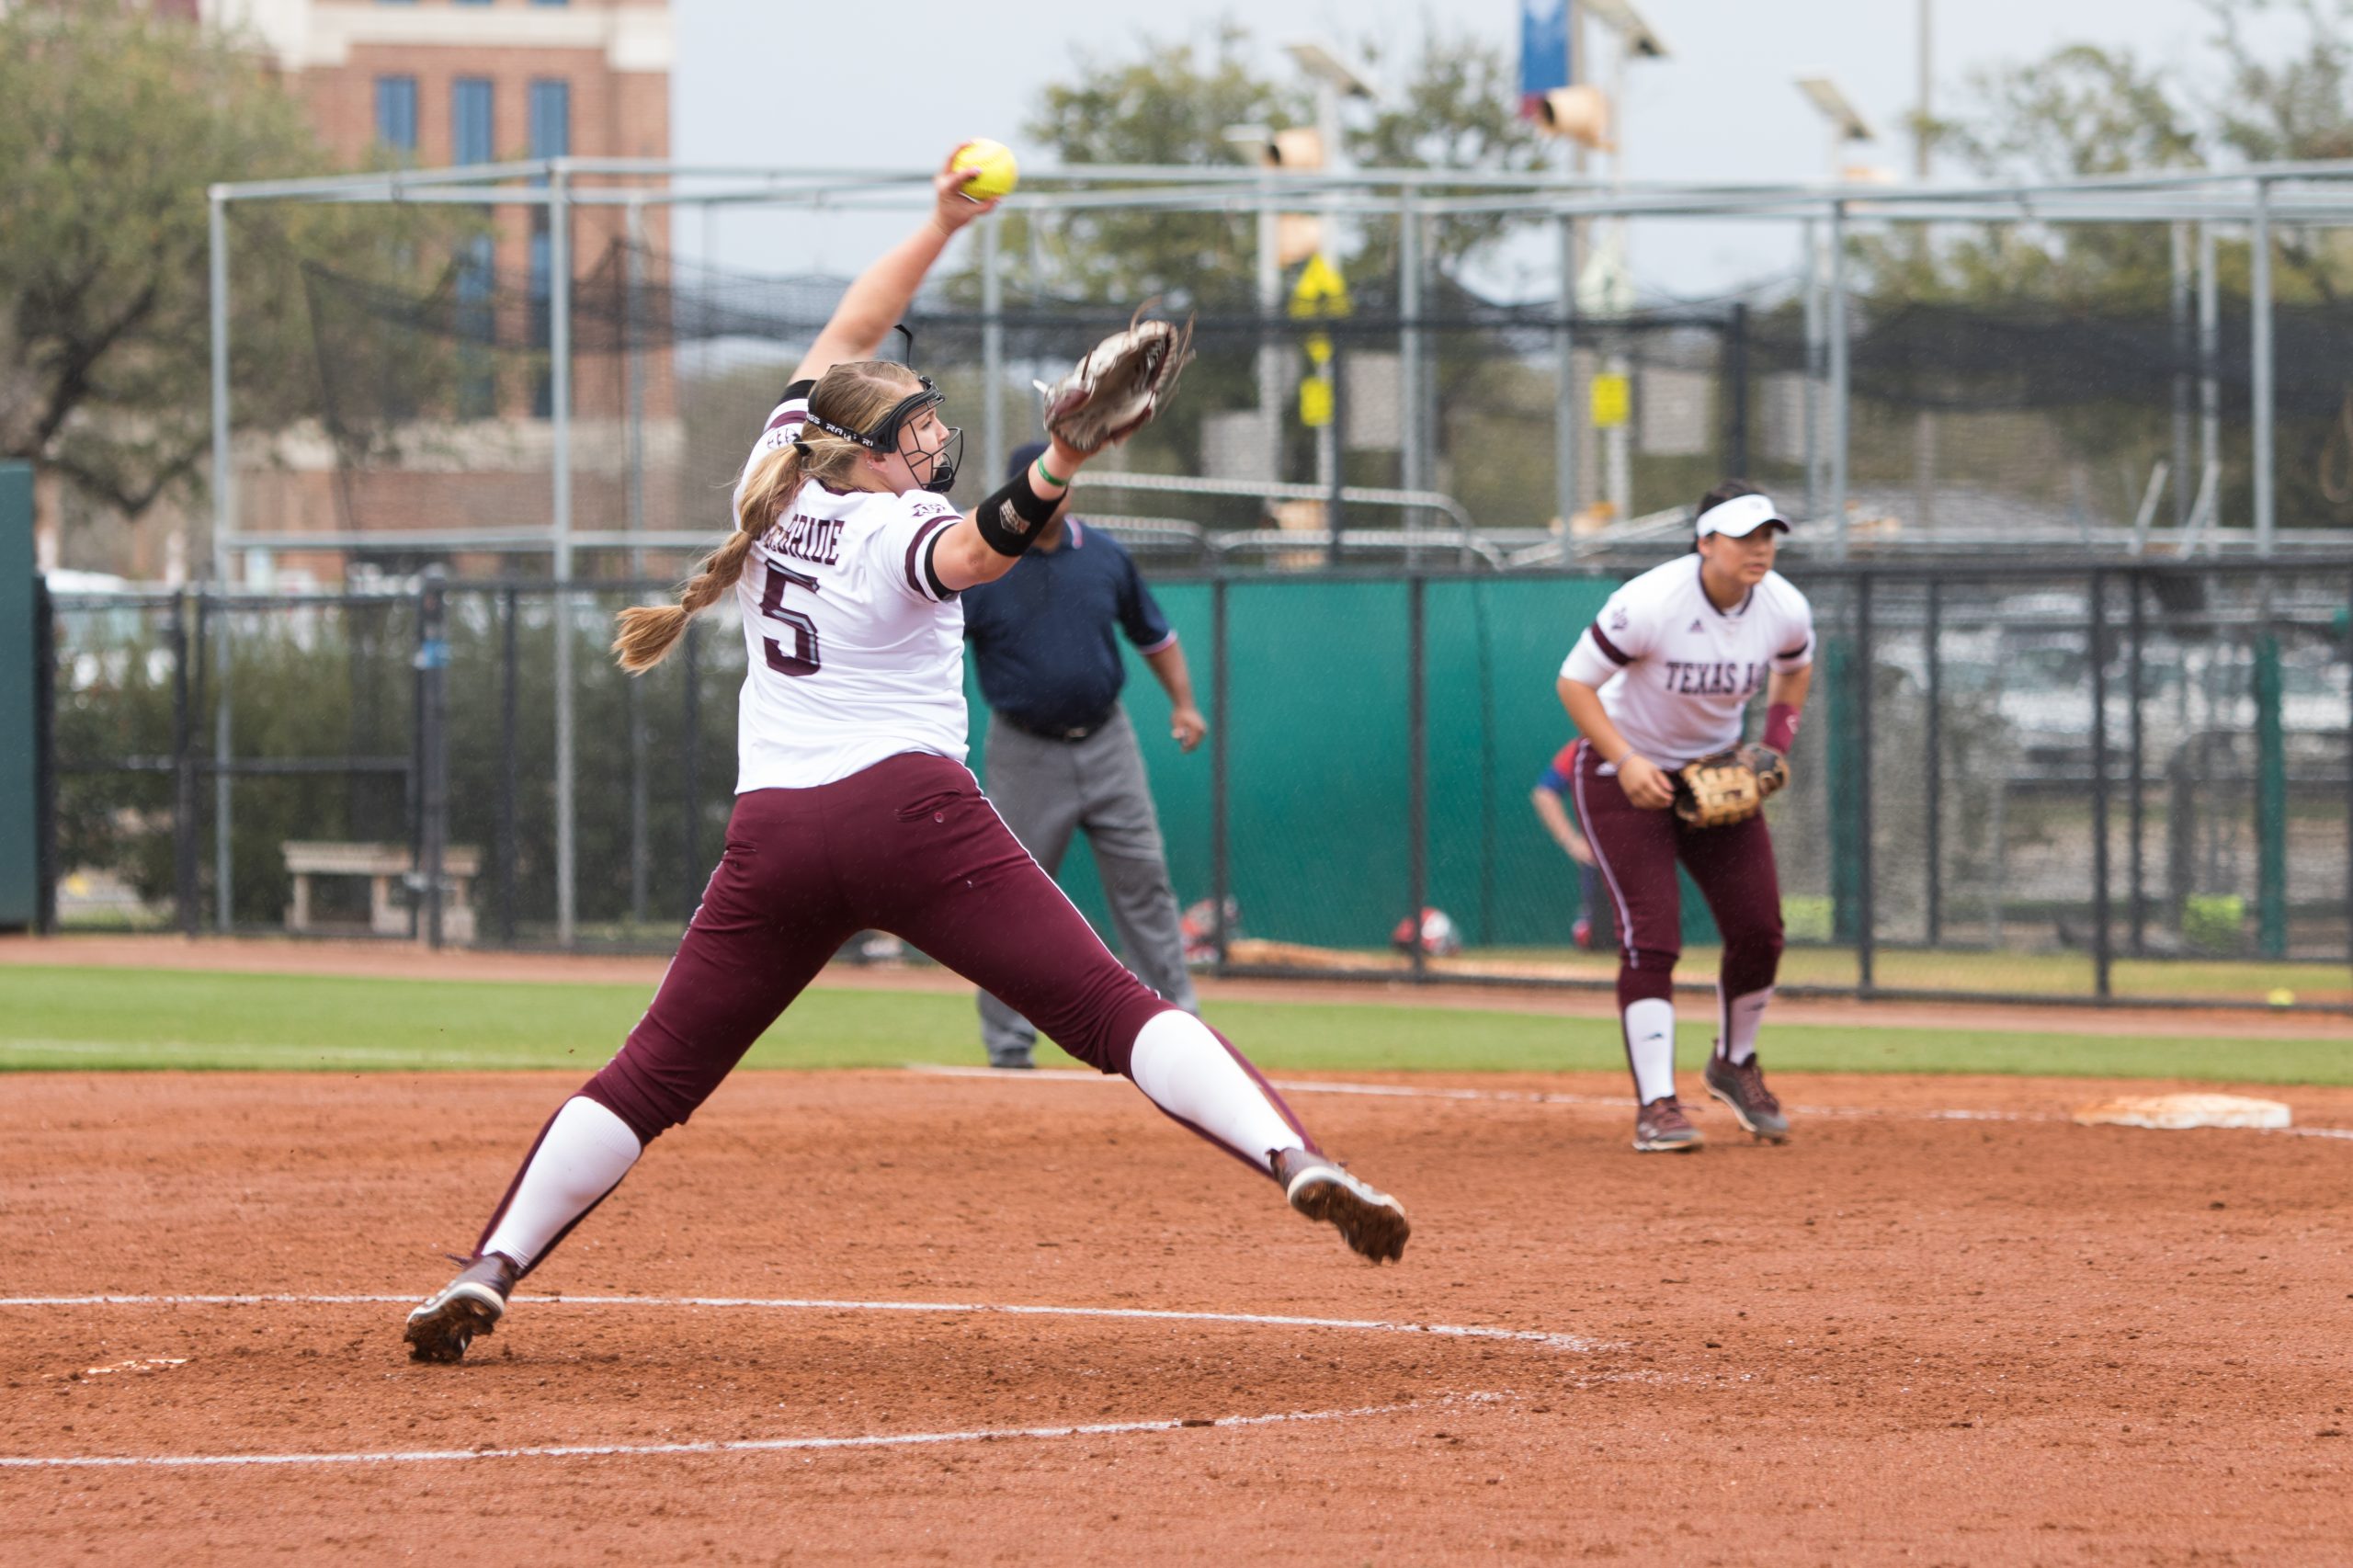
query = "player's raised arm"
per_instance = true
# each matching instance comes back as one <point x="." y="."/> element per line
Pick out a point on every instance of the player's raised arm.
<point x="877" y="301"/>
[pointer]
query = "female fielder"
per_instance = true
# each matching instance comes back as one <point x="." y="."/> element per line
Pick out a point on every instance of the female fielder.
<point x="1660" y="679"/>
<point x="854" y="809"/>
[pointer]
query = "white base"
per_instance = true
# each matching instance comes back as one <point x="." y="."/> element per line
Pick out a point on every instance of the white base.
<point x="2171" y="1113"/>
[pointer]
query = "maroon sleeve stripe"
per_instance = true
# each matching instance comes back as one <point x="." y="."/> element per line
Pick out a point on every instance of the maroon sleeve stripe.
<point x="934" y="589"/>
<point x="1601" y="640"/>
<point x="1793" y="653"/>
<point x="795" y="415"/>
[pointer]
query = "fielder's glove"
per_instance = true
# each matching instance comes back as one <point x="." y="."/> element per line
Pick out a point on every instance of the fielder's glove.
<point x="1730" y="787"/>
<point x="1116" y="390"/>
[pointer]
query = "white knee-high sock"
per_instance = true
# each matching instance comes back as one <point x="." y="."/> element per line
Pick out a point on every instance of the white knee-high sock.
<point x="1739" y="1018"/>
<point x="1649" y="1046"/>
<point x="1188" y="1072"/>
<point x="584" y="1155"/>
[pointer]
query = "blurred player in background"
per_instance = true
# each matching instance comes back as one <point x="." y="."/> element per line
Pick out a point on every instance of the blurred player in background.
<point x="1594" y="926"/>
<point x="854" y="808"/>
<point x="1062" y="754"/>
<point x="1661" y="679"/>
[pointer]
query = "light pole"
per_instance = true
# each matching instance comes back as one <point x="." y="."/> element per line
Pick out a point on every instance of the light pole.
<point x="1635" y="39"/>
<point x="1846" y="124"/>
<point x="1333" y="81"/>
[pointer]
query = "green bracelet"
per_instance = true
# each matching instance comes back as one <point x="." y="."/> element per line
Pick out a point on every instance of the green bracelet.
<point x="1048" y="476"/>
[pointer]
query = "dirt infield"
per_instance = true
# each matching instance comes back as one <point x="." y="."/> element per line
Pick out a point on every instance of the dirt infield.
<point x="390" y="961"/>
<point x="1912" y="1334"/>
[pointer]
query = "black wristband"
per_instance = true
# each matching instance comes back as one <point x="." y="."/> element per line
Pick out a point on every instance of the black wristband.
<point x="1012" y="517"/>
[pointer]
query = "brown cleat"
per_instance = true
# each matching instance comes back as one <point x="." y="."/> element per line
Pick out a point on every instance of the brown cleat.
<point x="1741" y="1088"/>
<point x="1371" y="1221"/>
<point x="1661" y="1128"/>
<point x="469" y="1305"/>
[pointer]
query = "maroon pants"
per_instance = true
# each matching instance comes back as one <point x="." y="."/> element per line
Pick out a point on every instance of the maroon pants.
<point x="1638" y="851"/>
<point x="909" y="846"/>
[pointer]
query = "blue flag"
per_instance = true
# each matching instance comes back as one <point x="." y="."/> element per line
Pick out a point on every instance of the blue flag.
<point x="1543" y="52"/>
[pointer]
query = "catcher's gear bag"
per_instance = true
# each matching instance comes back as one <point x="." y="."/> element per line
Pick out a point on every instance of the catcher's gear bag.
<point x="1729" y="787"/>
<point x="1117" y="387"/>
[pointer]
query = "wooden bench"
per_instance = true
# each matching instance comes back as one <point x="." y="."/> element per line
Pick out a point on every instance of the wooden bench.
<point x="387" y="867"/>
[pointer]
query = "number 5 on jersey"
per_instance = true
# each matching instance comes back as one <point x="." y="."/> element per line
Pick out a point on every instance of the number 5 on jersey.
<point x="803" y="660"/>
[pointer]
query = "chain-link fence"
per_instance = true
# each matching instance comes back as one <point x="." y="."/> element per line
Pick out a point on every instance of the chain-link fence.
<point x="2105" y="780"/>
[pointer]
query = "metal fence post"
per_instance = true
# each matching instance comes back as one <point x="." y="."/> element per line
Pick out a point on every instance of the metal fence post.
<point x="1933" y="847"/>
<point x="1736" y="383"/>
<point x="1417" y="767"/>
<point x="1811" y="288"/>
<point x="2177" y="302"/>
<point x="1866" y="897"/>
<point x="1221" y="752"/>
<point x="184" y="848"/>
<point x="992" y="343"/>
<point x="2262" y="391"/>
<point x="44" y="759"/>
<point x="2135" y="809"/>
<point x="509" y="719"/>
<point x="224" y="528"/>
<point x="1412" y="451"/>
<point x="1839" y="423"/>
<point x="1566" y="415"/>
<point x="432" y="748"/>
<point x="567" y="892"/>
<point x="634" y="366"/>
<point x="2270" y="800"/>
<point x="2102" y="980"/>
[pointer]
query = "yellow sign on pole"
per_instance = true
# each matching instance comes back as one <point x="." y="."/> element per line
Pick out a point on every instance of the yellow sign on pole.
<point x="1315" y="402"/>
<point x="1320" y="290"/>
<point x="1613" y="401"/>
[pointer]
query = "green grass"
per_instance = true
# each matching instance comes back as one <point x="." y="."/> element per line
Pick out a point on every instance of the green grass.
<point x="64" y="1019"/>
<point x="2023" y="973"/>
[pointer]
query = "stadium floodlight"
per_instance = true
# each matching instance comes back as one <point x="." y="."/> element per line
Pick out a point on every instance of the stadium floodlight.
<point x="1844" y="117"/>
<point x="1581" y="114"/>
<point x="1328" y="69"/>
<point x="1635" y="34"/>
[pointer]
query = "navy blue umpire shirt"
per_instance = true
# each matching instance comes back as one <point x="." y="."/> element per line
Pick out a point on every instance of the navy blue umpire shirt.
<point x="1042" y="634"/>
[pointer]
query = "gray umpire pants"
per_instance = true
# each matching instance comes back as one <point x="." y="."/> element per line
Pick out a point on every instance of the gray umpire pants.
<point x="1046" y="790"/>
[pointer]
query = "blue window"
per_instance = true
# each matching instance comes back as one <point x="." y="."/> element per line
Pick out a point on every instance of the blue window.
<point x="396" y="112"/>
<point x="473" y="136"/>
<point x="551" y="119"/>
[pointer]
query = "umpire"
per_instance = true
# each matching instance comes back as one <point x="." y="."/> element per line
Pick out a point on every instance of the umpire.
<point x="1061" y="754"/>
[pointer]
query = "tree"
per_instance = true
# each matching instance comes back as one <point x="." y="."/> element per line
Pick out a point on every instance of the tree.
<point x="113" y="122"/>
<point x="1172" y="103"/>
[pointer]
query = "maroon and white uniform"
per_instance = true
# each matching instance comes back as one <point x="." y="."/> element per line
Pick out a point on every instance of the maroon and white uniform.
<point x="854" y="810"/>
<point x="853" y="650"/>
<point x="1675" y="675"/>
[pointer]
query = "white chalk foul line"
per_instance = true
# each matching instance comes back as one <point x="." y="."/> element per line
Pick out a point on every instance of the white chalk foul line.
<point x="1538" y="1096"/>
<point x="738" y="1446"/>
<point x="796" y="1304"/>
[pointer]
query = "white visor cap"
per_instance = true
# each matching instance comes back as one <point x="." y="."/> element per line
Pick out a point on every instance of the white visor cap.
<point x="1739" y="517"/>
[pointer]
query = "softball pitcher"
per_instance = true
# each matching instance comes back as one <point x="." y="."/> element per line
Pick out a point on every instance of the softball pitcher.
<point x="1657" y="687"/>
<point x="854" y="809"/>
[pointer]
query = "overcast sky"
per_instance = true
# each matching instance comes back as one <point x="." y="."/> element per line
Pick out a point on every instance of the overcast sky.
<point x="894" y="85"/>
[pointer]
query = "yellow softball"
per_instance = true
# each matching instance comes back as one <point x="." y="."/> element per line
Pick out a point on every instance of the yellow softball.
<point x="1000" y="173"/>
<point x="2282" y="997"/>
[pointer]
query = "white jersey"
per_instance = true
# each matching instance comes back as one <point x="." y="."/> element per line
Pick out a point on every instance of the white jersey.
<point x="854" y="651"/>
<point x="1675" y="672"/>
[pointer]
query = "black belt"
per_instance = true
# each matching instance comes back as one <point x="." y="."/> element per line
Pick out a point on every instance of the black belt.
<point x="1066" y="734"/>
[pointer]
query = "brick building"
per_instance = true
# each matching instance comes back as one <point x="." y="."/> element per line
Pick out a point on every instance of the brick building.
<point x="450" y="82"/>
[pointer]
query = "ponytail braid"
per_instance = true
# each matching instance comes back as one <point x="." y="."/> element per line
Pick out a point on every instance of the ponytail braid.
<point x="856" y="394"/>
